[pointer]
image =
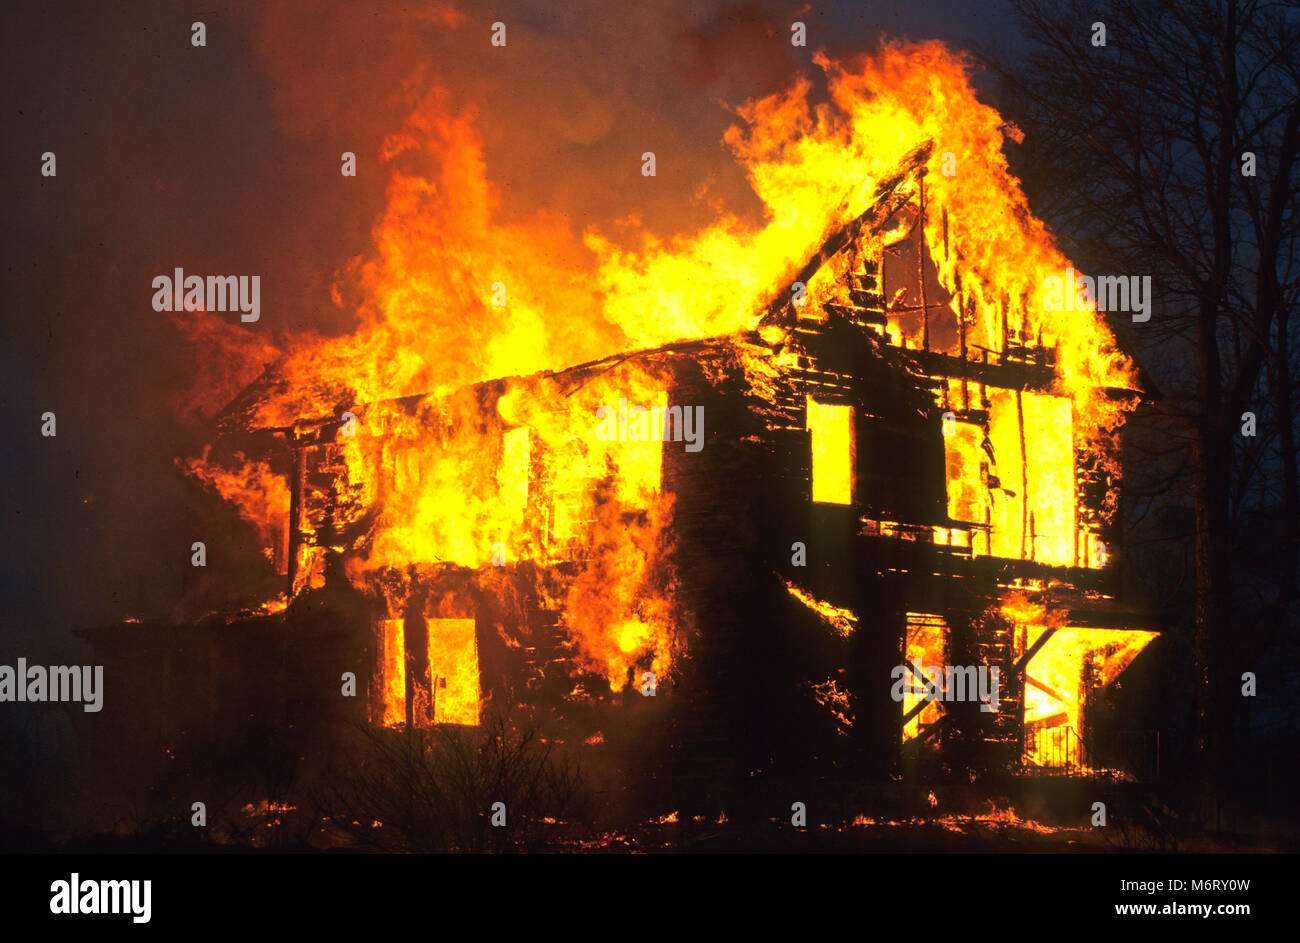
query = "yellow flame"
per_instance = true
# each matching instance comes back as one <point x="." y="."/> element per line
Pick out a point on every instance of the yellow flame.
<point x="453" y="296"/>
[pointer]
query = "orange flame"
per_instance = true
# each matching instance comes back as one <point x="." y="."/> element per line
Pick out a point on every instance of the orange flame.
<point x="453" y="297"/>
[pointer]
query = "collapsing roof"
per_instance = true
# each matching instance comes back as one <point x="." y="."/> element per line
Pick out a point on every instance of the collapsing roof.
<point x="930" y="432"/>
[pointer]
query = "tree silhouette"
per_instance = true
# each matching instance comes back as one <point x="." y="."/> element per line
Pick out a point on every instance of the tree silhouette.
<point x="1172" y="151"/>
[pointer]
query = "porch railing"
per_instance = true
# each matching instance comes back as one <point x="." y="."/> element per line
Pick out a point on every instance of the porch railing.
<point x="1060" y="751"/>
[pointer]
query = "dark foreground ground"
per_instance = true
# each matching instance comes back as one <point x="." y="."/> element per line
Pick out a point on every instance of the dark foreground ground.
<point x="996" y="831"/>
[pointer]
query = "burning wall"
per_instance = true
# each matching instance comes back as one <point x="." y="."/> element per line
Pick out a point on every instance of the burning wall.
<point x="914" y="379"/>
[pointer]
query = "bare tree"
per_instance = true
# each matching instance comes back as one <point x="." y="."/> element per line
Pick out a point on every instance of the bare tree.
<point x="1172" y="149"/>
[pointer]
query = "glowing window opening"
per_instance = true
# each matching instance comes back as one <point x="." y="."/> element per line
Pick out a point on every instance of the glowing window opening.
<point x="833" y="452"/>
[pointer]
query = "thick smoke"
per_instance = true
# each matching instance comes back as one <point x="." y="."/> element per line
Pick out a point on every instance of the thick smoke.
<point x="225" y="159"/>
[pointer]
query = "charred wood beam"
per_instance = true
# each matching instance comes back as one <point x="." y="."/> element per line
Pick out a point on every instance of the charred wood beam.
<point x="1011" y="376"/>
<point x="234" y="416"/>
<point x="294" y="527"/>
<point x="985" y="404"/>
<point x="585" y="371"/>
<point x="1109" y="619"/>
<point x="1048" y="723"/>
<point x="931" y="306"/>
<point x="1046" y="688"/>
<point x="921" y="250"/>
<point x="966" y="311"/>
<point x="926" y="685"/>
<point x="943" y="562"/>
<point x="1024" y="477"/>
<point x="887" y="201"/>
<point x="1033" y="650"/>
<point x="322" y="429"/>
<point x="918" y="707"/>
<point x="929" y="731"/>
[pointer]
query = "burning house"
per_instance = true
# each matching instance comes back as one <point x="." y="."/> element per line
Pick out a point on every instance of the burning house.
<point x="716" y="550"/>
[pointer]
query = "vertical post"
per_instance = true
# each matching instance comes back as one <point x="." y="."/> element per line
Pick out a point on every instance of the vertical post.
<point x="1024" y="476"/>
<point x="1006" y="330"/>
<point x="295" y="512"/>
<point x="921" y="251"/>
<point x="884" y="292"/>
<point x="984" y="393"/>
<point x="1075" y="458"/>
<point x="1019" y="632"/>
<point x="412" y="679"/>
<point x="966" y="309"/>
